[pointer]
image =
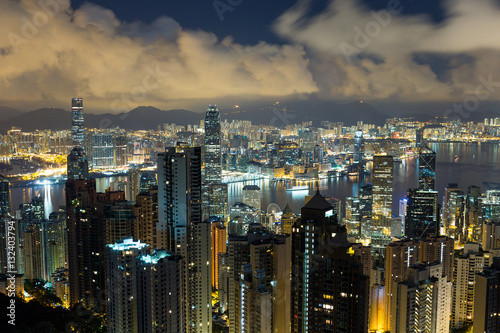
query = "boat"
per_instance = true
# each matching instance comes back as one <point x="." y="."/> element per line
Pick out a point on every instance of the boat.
<point x="298" y="188"/>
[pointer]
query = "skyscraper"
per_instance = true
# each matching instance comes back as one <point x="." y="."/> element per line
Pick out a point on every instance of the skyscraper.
<point x="251" y="196"/>
<point x="180" y="229"/>
<point x="383" y="167"/>
<point x="77" y="165"/>
<point x="213" y="156"/>
<point x="4" y="196"/>
<point x="426" y="169"/>
<point x="319" y="248"/>
<point x="487" y="300"/>
<point x="77" y="129"/>
<point x="453" y="213"/>
<point x="422" y="216"/>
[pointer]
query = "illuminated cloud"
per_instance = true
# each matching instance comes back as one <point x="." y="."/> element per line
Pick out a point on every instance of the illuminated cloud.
<point x="373" y="54"/>
<point x="116" y="66"/>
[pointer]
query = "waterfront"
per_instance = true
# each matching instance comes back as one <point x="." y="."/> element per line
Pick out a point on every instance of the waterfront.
<point x="462" y="163"/>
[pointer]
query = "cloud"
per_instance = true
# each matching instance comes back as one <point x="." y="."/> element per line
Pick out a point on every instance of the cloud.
<point x="116" y="65"/>
<point x="371" y="54"/>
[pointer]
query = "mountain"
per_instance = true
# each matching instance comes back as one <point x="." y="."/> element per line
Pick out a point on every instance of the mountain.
<point x="7" y="113"/>
<point x="137" y="119"/>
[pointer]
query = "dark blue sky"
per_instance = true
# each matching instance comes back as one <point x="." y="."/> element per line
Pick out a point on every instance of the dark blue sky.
<point x="249" y="22"/>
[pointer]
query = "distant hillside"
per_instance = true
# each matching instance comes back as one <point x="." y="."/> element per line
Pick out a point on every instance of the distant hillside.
<point x="7" y="113"/>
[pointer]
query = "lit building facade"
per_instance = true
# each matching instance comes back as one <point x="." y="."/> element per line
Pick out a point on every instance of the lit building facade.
<point x="383" y="167"/>
<point x="77" y="129"/>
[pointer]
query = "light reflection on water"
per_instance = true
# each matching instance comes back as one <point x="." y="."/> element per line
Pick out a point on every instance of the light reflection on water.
<point x="465" y="164"/>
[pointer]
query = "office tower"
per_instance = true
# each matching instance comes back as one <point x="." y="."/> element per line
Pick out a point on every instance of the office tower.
<point x="422" y="217"/>
<point x="120" y="153"/>
<point x="251" y="196"/>
<point x="426" y="169"/>
<point x="77" y="164"/>
<point x="490" y="206"/>
<point x="365" y="195"/>
<point x="473" y="224"/>
<point x="146" y="216"/>
<point x="399" y="257"/>
<point x="180" y="229"/>
<point x="241" y="216"/>
<point x="121" y="285"/>
<point x="383" y="167"/>
<point x="148" y="179"/>
<point x="288" y="219"/>
<point x="352" y="217"/>
<point x="77" y="129"/>
<point x="316" y="227"/>
<point x="419" y="137"/>
<point x="85" y="244"/>
<point x="422" y="301"/>
<point x="307" y="147"/>
<point x="218" y="235"/>
<point x="487" y="299"/>
<point x="358" y="158"/>
<point x="259" y="294"/>
<point x="216" y="203"/>
<point x="103" y="150"/>
<point x="453" y="213"/>
<point x="403" y="205"/>
<point x="438" y="249"/>
<point x="4" y="196"/>
<point x="33" y="257"/>
<point x="466" y="266"/>
<point x="213" y="156"/>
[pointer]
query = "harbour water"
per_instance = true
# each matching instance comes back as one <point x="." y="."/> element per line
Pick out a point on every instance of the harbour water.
<point x="462" y="163"/>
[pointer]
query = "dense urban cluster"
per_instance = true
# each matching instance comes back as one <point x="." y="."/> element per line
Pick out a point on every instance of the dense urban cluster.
<point x="165" y="252"/>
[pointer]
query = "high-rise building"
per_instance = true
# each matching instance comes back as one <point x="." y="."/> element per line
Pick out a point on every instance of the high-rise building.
<point x="218" y="235"/>
<point x="422" y="216"/>
<point x="365" y="195"/>
<point x="146" y="216"/>
<point x="103" y="150"/>
<point x="490" y="206"/>
<point x="473" y="224"/>
<point x="251" y="196"/>
<point x="241" y="216"/>
<point x="121" y="284"/>
<point x="438" y="249"/>
<point x="383" y="167"/>
<point x="215" y="204"/>
<point x="352" y="217"/>
<point x="213" y="155"/>
<point x="399" y="257"/>
<point x="453" y="212"/>
<point x="180" y="229"/>
<point x="288" y="219"/>
<point x="77" y="129"/>
<point x="33" y="257"/>
<point x="85" y="244"/>
<point x="465" y="268"/>
<point x="258" y="282"/>
<point x="422" y="301"/>
<point x="77" y="164"/>
<point x="426" y="169"/>
<point x="487" y="299"/>
<point x="4" y="196"/>
<point x="319" y="248"/>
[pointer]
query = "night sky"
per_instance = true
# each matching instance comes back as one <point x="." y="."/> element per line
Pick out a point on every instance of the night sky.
<point x="229" y="51"/>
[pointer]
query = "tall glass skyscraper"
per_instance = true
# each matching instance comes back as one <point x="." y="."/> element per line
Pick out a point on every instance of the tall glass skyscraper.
<point x="77" y="129"/>
<point x="383" y="167"/>
<point x="4" y="196"/>
<point x="426" y="169"/>
<point x="213" y="156"/>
